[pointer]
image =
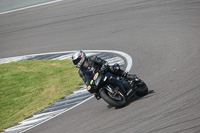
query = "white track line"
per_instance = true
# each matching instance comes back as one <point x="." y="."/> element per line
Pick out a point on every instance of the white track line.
<point x="17" y="128"/>
<point x="113" y="60"/>
<point x="125" y="55"/>
<point x="58" y="114"/>
<point x="48" y="113"/>
<point x="28" y="7"/>
<point x="63" y="57"/>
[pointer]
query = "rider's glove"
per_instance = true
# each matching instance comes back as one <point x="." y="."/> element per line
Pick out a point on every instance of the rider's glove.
<point x="104" y="67"/>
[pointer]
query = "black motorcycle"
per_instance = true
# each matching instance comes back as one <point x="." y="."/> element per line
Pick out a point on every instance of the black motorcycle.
<point x="114" y="90"/>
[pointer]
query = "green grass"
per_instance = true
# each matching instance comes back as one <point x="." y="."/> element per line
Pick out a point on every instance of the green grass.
<point x="28" y="87"/>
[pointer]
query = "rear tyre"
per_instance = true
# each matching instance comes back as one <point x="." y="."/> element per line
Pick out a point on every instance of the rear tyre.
<point x="142" y="89"/>
<point x="118" y="102"/>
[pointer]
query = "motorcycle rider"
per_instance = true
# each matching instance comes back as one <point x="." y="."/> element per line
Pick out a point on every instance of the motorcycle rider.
<point x="86" y="64"/>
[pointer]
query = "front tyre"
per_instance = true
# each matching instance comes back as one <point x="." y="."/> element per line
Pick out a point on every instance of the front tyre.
<point x="142" y="88"/>
<point x="116" y="101"/>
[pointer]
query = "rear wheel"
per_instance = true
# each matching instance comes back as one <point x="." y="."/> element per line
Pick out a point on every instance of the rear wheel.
<point x="142" y="88"/>
<point x="117" y="100"/>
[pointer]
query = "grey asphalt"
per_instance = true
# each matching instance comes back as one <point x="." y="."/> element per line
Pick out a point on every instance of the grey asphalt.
<point x="163" y="38"/>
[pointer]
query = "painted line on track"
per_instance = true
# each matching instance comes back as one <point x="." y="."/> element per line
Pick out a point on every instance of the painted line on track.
<point x="125" y="55"/>
<point x="28" y="7"/>
<point x="58" y="114"/>
<point x="106" y="54"/>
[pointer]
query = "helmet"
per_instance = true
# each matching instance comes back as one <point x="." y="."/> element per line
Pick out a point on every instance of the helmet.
<point x="78" y="58"/>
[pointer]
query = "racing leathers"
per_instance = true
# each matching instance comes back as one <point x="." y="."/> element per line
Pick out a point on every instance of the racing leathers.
<point x="97" y="63"/>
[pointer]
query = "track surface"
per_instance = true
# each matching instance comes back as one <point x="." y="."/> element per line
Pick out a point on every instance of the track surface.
<point x="162" y="36"/>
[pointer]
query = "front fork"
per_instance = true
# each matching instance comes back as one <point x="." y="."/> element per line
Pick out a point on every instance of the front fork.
<point x="111" y="90"/>
<point x="114" y="92"/>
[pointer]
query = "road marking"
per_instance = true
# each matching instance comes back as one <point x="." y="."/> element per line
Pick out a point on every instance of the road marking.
<point x="58" y="114"/>
<point x="125" y="55"/>
<point x="28" y="7"/>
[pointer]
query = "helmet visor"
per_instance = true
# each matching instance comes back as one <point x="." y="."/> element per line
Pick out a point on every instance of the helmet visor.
<point x="76" y="61"/>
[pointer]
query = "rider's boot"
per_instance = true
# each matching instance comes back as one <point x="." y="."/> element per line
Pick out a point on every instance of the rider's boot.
<point x="131" y="77"/>
<point x="97" y="96"/>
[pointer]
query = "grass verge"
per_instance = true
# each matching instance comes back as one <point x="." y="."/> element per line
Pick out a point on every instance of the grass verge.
<point x="28" y="87"/>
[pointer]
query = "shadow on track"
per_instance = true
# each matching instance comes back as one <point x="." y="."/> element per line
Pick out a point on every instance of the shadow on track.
<point x="134" y="98"/>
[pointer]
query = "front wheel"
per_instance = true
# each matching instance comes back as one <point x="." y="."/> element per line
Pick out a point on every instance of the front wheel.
<point x="142" y="88"/>
<point x="117" y="100"/>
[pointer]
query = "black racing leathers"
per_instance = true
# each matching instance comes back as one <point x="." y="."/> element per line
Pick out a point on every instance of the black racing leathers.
<point x="97" y="63"/>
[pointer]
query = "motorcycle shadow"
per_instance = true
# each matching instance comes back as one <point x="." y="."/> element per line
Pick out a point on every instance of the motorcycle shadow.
<point x="135" y="98"/>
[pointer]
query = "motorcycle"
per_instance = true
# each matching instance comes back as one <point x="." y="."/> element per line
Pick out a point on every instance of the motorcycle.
<point x="114" y="90"/>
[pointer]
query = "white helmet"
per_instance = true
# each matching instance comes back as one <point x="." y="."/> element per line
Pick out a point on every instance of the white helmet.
<point x="78" y="58"/>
